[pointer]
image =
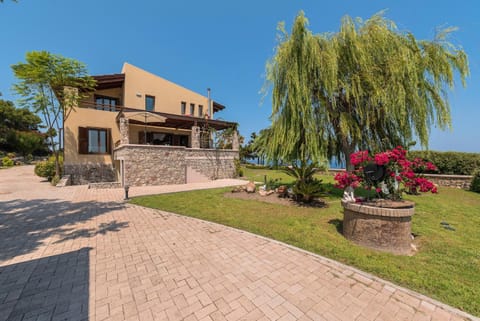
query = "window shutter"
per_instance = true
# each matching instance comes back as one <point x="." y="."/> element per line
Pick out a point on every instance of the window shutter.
<point x="82" y="140"/>
<point x="109" y="140"/>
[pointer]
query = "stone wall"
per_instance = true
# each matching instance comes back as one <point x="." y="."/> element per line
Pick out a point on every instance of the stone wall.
<point x="212" y="163"/>
<point x="162" y="165"/>
<point x="457" y="181"/>
<point x="152" y="165"/>
<point x="81" y="174"/>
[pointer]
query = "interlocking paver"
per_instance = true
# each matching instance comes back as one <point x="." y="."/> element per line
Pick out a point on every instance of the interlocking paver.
<point x="78" y="254"/>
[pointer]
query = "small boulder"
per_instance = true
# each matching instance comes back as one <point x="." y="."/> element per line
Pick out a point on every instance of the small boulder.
<point x="238" y="189"/>
<point x="250" y="187"/>
<point x="263" y="192"/>
<point x="282" y="191"/>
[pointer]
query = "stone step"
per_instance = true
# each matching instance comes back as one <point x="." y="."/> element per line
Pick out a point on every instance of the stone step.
<point x="105" y="185"/>
<point x="64" y="181"/>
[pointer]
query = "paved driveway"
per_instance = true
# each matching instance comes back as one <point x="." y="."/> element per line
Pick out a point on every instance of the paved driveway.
<point x="77" y="254"/>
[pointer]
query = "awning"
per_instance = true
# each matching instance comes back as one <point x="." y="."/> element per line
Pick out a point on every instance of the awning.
<point x="144" y="117"/>
<point x="159" y="119"/>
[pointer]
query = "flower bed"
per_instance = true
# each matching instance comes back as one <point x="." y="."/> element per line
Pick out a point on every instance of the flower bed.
<point x="384" y="222"/>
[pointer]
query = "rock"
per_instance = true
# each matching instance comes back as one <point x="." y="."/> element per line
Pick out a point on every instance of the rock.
<point x="282" y="191"/>
<point x="262" y="192"/>
<point x="270" y="192"/>
<point x="250" y="187"/>
<point x="238" y="189"/>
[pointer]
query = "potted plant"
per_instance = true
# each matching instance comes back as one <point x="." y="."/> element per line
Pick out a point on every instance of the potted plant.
<point x="382" y="220"/>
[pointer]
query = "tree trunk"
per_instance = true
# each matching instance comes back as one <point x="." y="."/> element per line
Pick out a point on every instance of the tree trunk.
<point x="57" y="164"/>
<point x="55" y="153"/>
<point x="347" y="150"/>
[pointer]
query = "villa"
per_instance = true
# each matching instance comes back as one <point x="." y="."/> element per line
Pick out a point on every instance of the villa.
<point x="140" y="129"/>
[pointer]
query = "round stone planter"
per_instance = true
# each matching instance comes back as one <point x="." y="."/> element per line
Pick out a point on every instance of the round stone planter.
<point x="380" y="228"/>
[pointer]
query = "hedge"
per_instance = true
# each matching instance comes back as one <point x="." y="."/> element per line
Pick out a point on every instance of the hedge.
<point x="450" y="163"/>
<point x="475" y="186"/>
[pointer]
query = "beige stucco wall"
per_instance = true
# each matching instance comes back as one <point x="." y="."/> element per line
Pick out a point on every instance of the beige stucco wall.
<point x="83" y="117"/>
<point x="168" y="96"/>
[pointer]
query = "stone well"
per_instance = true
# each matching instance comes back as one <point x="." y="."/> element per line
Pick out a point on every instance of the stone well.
<point x="380" y="228"/>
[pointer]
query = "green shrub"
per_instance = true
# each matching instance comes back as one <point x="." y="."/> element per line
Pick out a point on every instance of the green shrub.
<point x="306" y="191"/>
<point x="47" y="168"/>
<point x="306" y="187"/>
<point x="11" y="155"/>
<point x="453" y="163"/>
<point x="55" y="180"/>
<point x="7" y="162"/>
<point x="475" y="186"/>
<point x="29" y="158"/>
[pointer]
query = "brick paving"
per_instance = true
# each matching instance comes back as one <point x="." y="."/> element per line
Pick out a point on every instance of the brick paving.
<point x="78" y="254"/>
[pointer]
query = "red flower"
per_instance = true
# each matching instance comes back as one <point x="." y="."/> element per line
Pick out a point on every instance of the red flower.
<point x="382" y="159"/>
<point x="400" y="172"/>
<point x="359" y="157"/>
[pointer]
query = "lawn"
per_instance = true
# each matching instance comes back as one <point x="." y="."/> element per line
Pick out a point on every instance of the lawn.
<point x="447" y="266"/>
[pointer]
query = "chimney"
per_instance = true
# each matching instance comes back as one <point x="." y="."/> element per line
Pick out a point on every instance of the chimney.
<point x="210" y="109"/>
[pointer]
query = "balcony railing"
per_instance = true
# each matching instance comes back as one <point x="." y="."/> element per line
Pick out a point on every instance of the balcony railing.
<point x="104" y="107"/>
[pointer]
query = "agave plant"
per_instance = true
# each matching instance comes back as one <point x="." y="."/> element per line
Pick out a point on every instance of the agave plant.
<point x="306" y="187"/>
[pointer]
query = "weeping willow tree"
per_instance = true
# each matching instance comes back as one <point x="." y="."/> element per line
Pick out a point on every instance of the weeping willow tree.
<point x="295" y="134"/>
<point x="367" y="86"/>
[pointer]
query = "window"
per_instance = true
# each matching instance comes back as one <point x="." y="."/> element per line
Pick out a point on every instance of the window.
<point x="149" y="103"/>
<point x="192" y="109"/>
<point x="105" y="103"/>
<point x="200" y="111"/>
<point x="93" y="140"/>
<point x="183" y="108"/>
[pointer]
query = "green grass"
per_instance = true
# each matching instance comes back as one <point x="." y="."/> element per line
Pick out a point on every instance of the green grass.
<point x="447" y="266"/>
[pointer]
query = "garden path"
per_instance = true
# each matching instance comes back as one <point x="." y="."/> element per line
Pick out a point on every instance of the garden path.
<point x="74" y="253"/>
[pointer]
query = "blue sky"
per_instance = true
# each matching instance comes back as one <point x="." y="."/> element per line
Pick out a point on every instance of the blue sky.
<point x="224" y="45"/>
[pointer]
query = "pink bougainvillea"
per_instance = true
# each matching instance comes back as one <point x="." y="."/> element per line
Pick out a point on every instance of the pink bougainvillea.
<point x="345" y="179"/>
<point x="401" y="174"/>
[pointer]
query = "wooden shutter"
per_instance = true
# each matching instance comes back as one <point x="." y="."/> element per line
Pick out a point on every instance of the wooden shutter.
<point x="109" y="140"/>
<point x="82" y="140"/>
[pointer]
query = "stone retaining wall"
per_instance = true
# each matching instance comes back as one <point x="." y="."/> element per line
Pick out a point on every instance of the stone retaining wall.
<point x="152" y="165"/>
<point x="81" y="174"/>
<point x="162" y="165"/>
<point x="212" y="163"/>
<point x="458" y="181"/>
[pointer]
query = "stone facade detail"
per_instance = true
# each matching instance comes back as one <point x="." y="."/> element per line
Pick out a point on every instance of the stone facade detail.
<point x="124" y="134"/>
<point x="384" y="229"/>
<point x="162" y="165"/>
<point x="195" y="137"/>
<point x="81" y="174"/>
<point x="235" y="141"/>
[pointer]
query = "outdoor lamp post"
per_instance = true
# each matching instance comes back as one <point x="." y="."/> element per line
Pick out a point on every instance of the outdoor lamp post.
<point x="126" y="187"/>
